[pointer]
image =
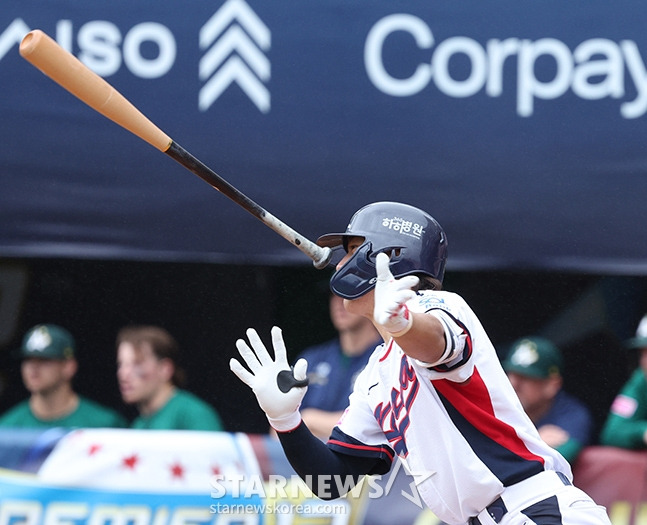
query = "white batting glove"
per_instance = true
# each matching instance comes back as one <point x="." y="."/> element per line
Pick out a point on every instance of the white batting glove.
<point x="278" y="389"/>
<point x="391" y="295"/>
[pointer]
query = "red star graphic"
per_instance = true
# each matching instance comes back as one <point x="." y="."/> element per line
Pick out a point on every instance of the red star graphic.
<point x="177" y="471"/>
<point x="130" y="462"/>
<point x="215" y="470"/>
<point x="94" y="449"/>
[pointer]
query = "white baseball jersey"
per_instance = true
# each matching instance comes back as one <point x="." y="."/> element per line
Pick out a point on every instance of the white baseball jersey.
<point x="457" y="423"/>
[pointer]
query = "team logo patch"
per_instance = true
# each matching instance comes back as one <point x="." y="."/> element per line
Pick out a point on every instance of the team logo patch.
<point x="624" y="406"/>
<point x="429" y="301"/>
<point x="525" y="355"/>
<point x="39" y="340"/>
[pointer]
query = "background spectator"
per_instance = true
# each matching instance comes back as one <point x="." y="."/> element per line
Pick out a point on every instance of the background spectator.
<point x="48" y="367"/>
<point x="534" y="366"/>
<point x="626" y="424"/>
<point x="333" y="366"/>
<point x="150" y="378"/>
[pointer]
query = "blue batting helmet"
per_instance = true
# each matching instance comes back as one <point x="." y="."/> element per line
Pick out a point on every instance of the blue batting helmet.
<point x="415" y="241"/>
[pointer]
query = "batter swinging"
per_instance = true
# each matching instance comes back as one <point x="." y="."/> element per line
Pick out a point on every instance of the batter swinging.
<point x="434" y="394"/>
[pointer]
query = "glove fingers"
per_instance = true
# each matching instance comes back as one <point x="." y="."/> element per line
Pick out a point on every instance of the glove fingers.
<point x="395" y="303"/>
<point x="249" y="356"/>
<point x="300" y="371"/>
<point x="382" y="267"/>
<point x="384" y="273"/>
<point x="280" y="353"/>
<point x="408" y="282"/>
<point x="241" y="372"/>
<point x="259" y="348"/>
<point x="400" y="297"/>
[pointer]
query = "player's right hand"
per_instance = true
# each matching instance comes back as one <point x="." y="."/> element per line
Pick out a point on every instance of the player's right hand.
<point x="391" y="296"/>
<point x="281" y="407"/>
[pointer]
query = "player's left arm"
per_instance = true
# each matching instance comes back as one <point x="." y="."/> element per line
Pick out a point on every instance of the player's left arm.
<point x="317" y="464"/>
<point x="310" y="457"/>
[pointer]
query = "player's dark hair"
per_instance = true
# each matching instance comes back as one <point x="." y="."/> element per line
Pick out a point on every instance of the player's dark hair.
<point x="427" y="283"/>
<point x="162" y="343"/>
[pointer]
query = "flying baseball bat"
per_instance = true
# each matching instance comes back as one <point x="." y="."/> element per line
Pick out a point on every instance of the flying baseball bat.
<point x="65" y="69"/>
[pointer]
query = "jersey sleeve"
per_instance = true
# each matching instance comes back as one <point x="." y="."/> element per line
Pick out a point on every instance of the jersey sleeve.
<point x="318" y="463"/>
<point x="455" y="363"/>
<point x="456" y="336"/>
<point x="347" y="445"/>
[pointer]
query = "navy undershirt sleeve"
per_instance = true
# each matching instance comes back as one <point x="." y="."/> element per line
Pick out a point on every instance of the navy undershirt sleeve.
<point x="324" y="470"/>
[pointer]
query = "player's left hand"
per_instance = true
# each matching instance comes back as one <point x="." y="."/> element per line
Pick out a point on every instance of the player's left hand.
<point x="391" y="294"/>
<point x="279" y="398"/>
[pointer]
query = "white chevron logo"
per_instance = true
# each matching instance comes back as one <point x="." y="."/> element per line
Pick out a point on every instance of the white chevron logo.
<point x="237" y="55"/>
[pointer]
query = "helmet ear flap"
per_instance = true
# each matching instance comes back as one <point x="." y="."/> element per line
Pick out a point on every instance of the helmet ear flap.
<point x="357" y="276"/>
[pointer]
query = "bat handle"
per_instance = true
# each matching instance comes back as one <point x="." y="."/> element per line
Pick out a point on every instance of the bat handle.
<point x="320" y="256"/>
<point x="286" y="381"/>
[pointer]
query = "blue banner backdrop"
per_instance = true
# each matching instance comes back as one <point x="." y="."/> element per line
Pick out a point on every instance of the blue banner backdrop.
<point x="519" y="125"/>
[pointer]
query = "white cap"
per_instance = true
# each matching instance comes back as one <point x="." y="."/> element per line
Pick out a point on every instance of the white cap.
<point x="640" y="341"/>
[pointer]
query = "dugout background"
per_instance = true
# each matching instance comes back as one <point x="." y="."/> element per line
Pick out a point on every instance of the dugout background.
<point x="207" y="307"/>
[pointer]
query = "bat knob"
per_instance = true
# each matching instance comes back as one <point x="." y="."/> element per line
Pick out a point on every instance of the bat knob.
<point x="324" y="258"/>
<point x="286" y="381"/>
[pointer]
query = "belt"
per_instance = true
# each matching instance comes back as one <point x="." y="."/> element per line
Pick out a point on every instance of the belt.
<point x="497" y="509"/>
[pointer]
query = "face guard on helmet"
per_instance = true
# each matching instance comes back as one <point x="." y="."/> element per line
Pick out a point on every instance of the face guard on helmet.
<point x="414" y="240"/>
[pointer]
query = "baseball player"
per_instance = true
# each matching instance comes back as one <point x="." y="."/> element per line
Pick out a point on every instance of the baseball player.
<point x="434" y="394"/>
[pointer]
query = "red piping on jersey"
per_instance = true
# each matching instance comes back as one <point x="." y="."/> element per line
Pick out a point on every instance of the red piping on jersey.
<point x="388" y="351"/>
<point x="473" y="401"/>
<point x="386" y="450"/>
